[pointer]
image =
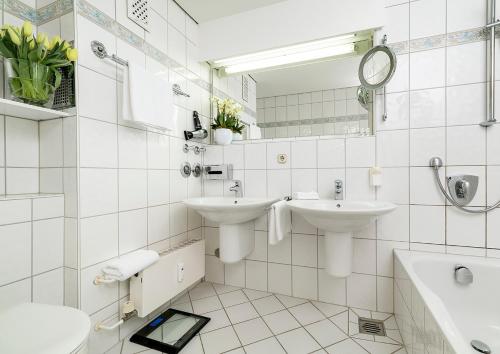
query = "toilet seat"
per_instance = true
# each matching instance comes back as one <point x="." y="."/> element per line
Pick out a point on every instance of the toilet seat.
<point x="43" y="329"/>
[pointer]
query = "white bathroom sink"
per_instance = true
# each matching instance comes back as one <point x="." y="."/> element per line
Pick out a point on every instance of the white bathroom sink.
<point x="339" y="219"/>
<point x="235" y="218"/>
<point x="340" y="215"/>
<point x="225" y="210"/>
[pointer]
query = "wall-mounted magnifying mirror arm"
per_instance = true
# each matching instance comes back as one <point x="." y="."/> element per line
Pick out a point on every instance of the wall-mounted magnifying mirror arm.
<point x="436" y="163"/>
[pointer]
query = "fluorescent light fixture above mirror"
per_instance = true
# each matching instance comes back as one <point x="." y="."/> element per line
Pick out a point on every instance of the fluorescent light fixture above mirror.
<point x="294" y="54"/>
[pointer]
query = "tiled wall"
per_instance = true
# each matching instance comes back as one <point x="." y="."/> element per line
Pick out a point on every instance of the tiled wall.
<point x="419" y="328"/>
<point x="31" y="249"/>
<point x="128" y="180"/>
<point x="436" y="101"/>
<point x="329" y="112"/>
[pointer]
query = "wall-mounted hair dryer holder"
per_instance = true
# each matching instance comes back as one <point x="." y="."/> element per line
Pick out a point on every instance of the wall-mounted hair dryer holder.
<point x="199" y="132"/>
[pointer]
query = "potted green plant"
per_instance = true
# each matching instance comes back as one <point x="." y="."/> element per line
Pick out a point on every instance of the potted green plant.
<point x="32" y="63"/>
<point x="225" y="120"/>
<point x="238" y="130"/>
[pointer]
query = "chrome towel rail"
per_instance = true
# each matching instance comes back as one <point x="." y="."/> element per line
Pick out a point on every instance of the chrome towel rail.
<point x="491" y="27"/>
<point x="100" y="51"/>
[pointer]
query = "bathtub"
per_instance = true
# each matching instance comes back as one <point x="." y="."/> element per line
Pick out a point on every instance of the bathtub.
<point x="436" y="314"/>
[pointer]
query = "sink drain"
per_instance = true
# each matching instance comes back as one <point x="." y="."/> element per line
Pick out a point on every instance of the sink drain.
<point x="480" y="347"/>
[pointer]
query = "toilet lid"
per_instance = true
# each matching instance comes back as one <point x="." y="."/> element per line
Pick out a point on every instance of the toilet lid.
<point x="42" y="329"/>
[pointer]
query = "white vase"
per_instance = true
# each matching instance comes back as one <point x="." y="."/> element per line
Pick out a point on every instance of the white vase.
<point x="237" y="137"/>
<point x="223" y="136"/>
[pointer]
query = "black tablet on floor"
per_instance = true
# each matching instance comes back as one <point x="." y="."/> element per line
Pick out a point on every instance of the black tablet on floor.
<point x="170" y="331"/>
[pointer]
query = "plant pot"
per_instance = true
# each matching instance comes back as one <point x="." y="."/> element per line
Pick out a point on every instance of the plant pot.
<point x="237" y="137"/>
<point x="223" y="136"/>
<point x="30" y="83"/>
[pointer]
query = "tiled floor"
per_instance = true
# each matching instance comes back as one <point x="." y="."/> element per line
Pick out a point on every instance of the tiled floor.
<point x="256" y="322"/>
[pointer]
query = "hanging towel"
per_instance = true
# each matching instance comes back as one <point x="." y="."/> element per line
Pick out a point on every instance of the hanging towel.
<point x="147" y="99"/>
<point x="305" y="195"/>
<point x="280" y="222"/>
<point x="129" y="264"/>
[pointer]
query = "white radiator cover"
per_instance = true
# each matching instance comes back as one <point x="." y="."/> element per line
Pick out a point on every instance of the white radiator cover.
<point x="159" y="283"/>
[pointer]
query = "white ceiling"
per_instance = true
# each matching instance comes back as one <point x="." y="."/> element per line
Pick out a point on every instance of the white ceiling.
<point x="207" y="10"/>
<point x="308" y="78"/>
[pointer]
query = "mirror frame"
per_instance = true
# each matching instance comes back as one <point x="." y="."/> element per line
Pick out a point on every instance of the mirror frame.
<point x="393" y="64"/>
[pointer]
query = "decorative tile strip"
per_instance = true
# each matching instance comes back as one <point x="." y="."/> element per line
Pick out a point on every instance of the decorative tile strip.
<point x="348" y="118"/>
<point x="426" y="43"/>
<point x="53" y="10"/>
<point x="20" y="9"/>
<point x="441" y="41"/>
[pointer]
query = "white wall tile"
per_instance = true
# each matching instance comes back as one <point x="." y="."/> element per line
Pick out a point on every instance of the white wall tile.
<point x="427" y="18"/>
<point x="427" y="108"/>
<point x="158" y="151"/>
<point x="393" y="148"/>
<point x="15" y="211"/>
<point x="48" y="242"/>
<point x="305" y="282"/>
<point x="158" y="223"/>
<point x="394" y="226"/>
<point x="364" y="256"/>
<point x="133" y="230"/>
<point x="465" y="145"/>
<point x="331" y="289"/>
<point x="255" y="156"/>
<point x="304" y="250"/>
<point x="256" y="275"/>
<point x="99" y="101"/>
<point x="99" y="239"/>
<point x="158" y="187"/>
<point x="427" y="224"/>
<point x="463" y="14"/>
<point x="51" y="143"/>
<point x="304" y="154"/>
<point x="304" y="180"/>
<point x="176" y="16"/>
<point x="360" y="152"/>
<point x="465" y="229"/>
<point x="132" y="151"/>
<point x="466" y="104"/>
<point x="98" y="191"/>
<point x="361" y="291"/>
<point x="133" y="189"/>
<point x="465" y="63"/>
<point x="395" y="186"/>
<point x="22" y="142"/>
<point x="278" y="183"/>
<point x="15" y="250"/>
<point x="433" y="63"/>
<point x="22" y="180"/>
<point x="15" y="293"/>
<point x="48" y="288"/>
<point x="397" y="26"/>
<point x="275" y="149"/>
<point x="280" y="278"/>
<point x="98" y="144"/>
<point x="427" y="143"/>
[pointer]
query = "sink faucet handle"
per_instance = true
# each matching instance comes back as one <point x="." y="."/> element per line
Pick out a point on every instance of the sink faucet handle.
<point x="339" y="189"/>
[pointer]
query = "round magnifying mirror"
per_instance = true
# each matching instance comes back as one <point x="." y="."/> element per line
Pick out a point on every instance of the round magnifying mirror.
<point x="377" y="67"/>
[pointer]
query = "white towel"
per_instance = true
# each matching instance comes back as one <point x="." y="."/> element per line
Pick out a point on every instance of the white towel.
<point x="280" y="222"/>
<point x="147" y="99"/>
<point x="126" y="266"/>
<point x="305" y="195"/>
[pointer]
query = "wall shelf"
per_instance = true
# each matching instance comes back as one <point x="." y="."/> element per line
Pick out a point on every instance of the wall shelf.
<point x="23" y="110"/>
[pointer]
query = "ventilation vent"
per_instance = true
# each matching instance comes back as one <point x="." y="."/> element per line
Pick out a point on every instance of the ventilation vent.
<point x="244" y="88"/>
<point x="138" y="11"/>
<point x="372" y="327"/>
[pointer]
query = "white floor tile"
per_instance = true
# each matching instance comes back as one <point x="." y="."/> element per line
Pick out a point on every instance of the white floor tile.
<point x="220" y="341"/>
<point x="280" y="322"/>
<point x="289" y="301"/>
<point x="347" y="346"/>
<point x="329" y="310"/>
<point x="341" y="321"/>
<point x="218" y="319"/>
<point x="233" y="298"/>
<point x="270" y="345"/>
<point x="377" y="348"/>
<point x="267" y="305"/>
<point x="207" y="304"/>
<point x="325" y="332"/>
<point x="222" y="289"/>
<point x="255" y="294"/>
<point x="298" y="341"/>
<point x="242" y="312"/>
<point x="252" y="331"/>
<point x="306" y="313"/>
<point x="201" y="291"/>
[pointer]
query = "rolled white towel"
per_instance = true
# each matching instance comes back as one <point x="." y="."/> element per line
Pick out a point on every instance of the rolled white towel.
<point x="305" y="195"/>
<point x="124" y="267"/>
<point x="280" y="222"/>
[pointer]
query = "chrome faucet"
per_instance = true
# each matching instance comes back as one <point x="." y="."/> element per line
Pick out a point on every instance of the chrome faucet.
<point x="339" y="189"/>
<point x="237" y="188"/>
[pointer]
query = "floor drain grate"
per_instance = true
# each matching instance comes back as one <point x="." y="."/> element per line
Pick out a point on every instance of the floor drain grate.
<point x="372" y="327"/>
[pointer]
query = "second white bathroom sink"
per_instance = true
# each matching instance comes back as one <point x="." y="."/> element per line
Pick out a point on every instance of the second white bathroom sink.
<point x="339" y="219"/>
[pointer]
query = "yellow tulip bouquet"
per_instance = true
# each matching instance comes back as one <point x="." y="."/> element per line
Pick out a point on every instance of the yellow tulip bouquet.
<point x="32" y="63"/>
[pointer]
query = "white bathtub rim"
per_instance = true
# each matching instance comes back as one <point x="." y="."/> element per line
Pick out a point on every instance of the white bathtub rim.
<point x="434" y="302"/>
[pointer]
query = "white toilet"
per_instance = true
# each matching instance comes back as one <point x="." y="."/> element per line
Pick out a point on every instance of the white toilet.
<point x="43" y="329"/>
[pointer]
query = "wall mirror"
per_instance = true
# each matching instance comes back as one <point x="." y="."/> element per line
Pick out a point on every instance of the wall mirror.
<point x="309" y="98"/>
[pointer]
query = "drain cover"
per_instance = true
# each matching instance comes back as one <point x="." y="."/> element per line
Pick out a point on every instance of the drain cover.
<point x="480" y="347"/>
<point x="372" y="327"/>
